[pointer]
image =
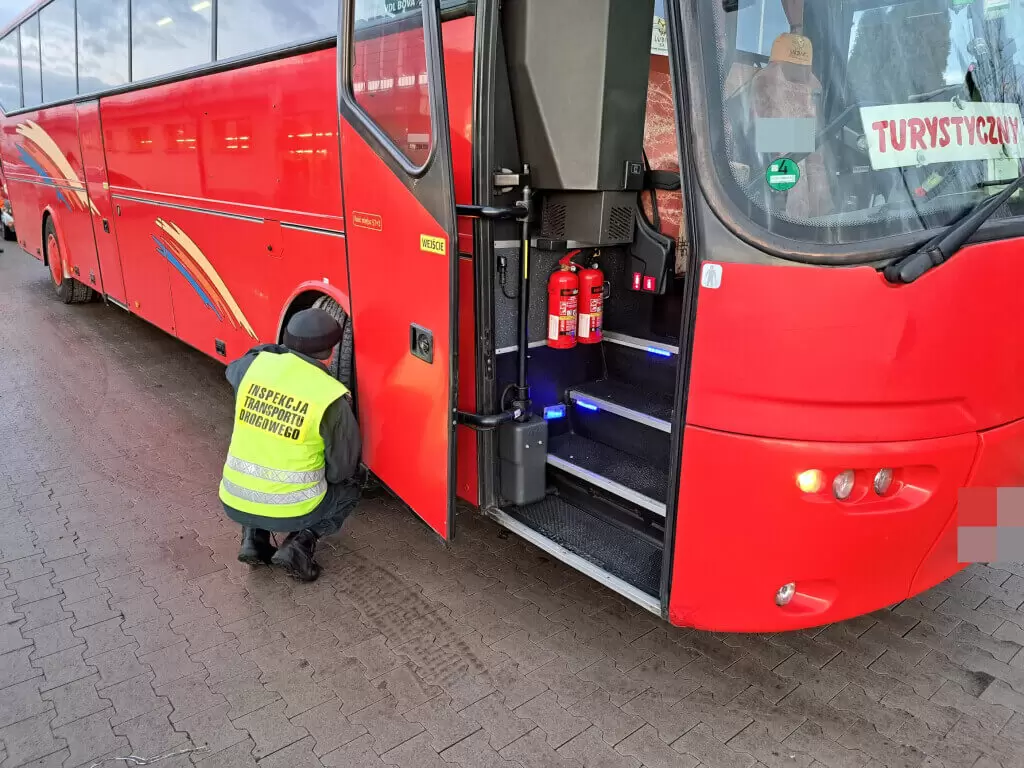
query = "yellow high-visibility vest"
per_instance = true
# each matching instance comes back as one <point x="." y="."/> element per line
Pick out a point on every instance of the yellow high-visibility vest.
<point x="275" y="465"/>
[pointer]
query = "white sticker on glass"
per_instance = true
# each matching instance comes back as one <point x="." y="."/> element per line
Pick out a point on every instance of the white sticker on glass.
<point x="904" y="135"/>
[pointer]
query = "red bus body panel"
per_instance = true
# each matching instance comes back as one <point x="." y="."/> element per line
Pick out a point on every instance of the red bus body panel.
<point x="227" y="204"/>
<point x="833" y="369"/>
<point x="90" y="135"/>
<point x="400" y="395"/>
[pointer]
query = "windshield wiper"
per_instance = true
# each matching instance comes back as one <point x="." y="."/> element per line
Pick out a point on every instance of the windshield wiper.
<point x="944" y="246"/>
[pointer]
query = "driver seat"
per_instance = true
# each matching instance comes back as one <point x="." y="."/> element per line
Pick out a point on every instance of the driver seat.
<point x="787" y="87"/>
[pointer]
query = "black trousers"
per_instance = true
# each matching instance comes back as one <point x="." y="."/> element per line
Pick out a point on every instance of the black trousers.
<point x="326" y="519"/>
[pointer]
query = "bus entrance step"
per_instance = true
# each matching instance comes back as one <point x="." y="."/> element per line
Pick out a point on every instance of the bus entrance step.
<point x="629" y="402"/>
<point x="634" y="559"/>
<point x="621" y="474"/>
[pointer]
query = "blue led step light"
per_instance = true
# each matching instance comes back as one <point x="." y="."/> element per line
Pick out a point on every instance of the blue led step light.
<point x="552" y="412"/>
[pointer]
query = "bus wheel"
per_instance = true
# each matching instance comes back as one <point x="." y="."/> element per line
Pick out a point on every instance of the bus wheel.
<point x="342" y="365"/>
<point x="69" y="290"/>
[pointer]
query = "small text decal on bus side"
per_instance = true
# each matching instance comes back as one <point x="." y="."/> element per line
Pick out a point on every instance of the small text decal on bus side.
<point x="368" y="221"/>
<point x="433" y="245"/>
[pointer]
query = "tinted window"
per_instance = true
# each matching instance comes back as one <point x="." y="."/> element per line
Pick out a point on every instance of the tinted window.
<point x="57" y="32"/>
<point x="389" y="73"/>
<point x="102" y="44"/>
<point x="170" y="35"/>
<point x="10" y="73"/>
<point x="244" y="26"/>
<point x="31" y="82"/>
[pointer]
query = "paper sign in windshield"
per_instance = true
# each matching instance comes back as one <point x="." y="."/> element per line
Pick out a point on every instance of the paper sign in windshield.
<point x="902" y="135"/>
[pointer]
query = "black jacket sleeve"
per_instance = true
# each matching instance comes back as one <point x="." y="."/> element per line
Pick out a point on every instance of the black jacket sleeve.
<point x="342" y="444"/>
<point x="236" y="370"/>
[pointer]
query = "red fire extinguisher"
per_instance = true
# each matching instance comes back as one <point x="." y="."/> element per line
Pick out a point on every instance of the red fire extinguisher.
<point x="591" y="313"/>
<point x="563" y="298"/>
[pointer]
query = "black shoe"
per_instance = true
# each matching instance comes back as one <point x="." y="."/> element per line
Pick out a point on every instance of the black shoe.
<point x="256" y="547"/>
<point x="296" y="556"/>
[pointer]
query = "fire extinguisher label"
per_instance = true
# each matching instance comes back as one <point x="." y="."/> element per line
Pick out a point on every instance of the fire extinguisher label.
<point x="590" y="324"/>
<point x="564" y="323"/>
<point x="590" y="319"/>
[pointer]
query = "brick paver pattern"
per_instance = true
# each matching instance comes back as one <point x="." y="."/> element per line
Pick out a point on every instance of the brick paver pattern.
<point x="128" y="627"/>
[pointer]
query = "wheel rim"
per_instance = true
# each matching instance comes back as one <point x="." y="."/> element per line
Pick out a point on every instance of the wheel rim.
<point x="54" y="258"/>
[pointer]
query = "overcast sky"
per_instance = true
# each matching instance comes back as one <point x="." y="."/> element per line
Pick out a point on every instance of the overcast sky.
<point x="9" y="10"/>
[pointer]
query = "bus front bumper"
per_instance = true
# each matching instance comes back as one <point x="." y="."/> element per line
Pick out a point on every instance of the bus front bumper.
<point x="746" y="529"/>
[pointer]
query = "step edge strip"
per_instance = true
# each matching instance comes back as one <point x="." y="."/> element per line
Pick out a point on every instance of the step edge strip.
<point x="624" y="411"/>
<point x="626" y="340"/>
<point x="652" y="505"/>
<point x="581" y="564"/>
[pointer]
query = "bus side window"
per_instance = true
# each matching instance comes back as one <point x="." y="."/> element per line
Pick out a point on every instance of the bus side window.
<point x="102" y="44"/>
<point x="247" y="26"/>
<point x="31" y="79"/>
<point x="10" y="73"/>
<point x="57" y="35"/>
<point x="170" y="35"/>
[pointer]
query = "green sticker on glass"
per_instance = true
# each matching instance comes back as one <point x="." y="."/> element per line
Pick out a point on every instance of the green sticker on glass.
<point x="782" y="175"/>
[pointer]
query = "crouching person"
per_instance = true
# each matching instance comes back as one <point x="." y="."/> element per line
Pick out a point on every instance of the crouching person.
<point x="294" y="448"/>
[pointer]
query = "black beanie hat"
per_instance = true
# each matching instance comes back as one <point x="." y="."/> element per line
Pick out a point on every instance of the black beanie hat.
<point x="312" y="332"/>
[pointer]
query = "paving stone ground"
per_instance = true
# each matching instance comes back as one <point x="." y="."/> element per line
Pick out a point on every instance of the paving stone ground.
<point x="128" y="627"/>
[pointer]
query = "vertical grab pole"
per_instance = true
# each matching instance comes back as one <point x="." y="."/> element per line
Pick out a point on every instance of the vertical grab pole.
<point x="522" y="398"/>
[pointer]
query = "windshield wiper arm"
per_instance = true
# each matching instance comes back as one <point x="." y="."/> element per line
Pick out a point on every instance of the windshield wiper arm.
<point x="944" y="246"/>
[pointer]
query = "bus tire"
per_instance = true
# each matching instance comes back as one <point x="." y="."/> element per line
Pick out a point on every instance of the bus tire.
<point x="68" y="290"/>
<point x="342" y="365"/>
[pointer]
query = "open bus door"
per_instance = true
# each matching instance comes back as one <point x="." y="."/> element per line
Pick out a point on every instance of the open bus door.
<point x="402" y="247"/>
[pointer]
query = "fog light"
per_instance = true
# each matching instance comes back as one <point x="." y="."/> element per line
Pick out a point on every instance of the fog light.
<point x="785" y="594"/>
<point x="842" y="486"/>
<point x="810" y="481"/>
<point x="883" y="481"/>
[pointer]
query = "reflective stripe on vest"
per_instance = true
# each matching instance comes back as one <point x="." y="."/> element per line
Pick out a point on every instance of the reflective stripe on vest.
<point x="277" y="475"/>
<point x="260" y="497"/>
<point x="275" y="465"/>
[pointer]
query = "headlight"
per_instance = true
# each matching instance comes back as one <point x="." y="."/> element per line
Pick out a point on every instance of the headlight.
<point x="842" y="486"/>
<point x="883" y="481"/>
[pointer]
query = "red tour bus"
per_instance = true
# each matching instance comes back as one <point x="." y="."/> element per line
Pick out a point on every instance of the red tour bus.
<point x="718" y="303"/>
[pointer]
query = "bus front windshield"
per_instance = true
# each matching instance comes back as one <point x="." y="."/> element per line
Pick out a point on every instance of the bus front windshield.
<point x="842" y="121"/>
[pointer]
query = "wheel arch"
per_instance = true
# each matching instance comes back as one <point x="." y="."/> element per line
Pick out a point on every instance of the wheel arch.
<point x="304" y="296"/>
<point x="47" y="216"/>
